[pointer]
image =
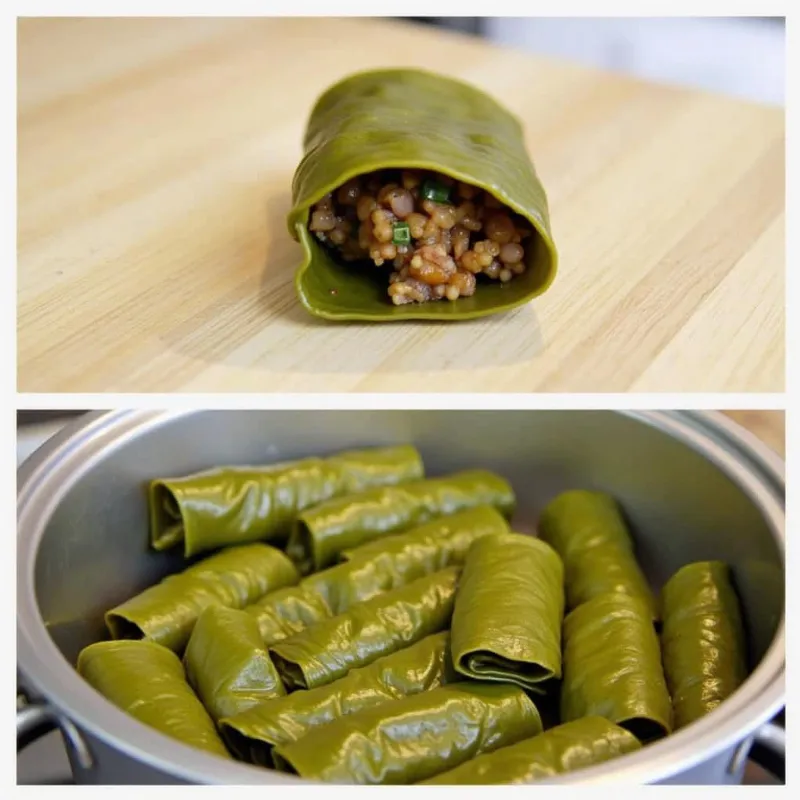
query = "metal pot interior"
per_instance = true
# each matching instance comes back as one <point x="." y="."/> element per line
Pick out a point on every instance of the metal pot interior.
<point x="94" y="552"/>
<point x="682" y="506"/>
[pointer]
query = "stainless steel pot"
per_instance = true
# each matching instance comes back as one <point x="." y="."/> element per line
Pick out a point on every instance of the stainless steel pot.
<point x="696" y="486"/>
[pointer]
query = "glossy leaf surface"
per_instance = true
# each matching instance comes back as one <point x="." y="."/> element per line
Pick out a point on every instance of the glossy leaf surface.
<point x="227" y="663"/>
<point x="702" y="639"/>
<point x="588" y="531"/>
<point x="612" y="667"/>
<point x="236" y="505"/>
<point x="389" y="622"/>
<point x="322" y="533"/>
<point x="565" y="748"/>
<point x="166" y="612"/>
<point x="423" y="666"/>
<point x="147" y="681"/>
<point x="414" y="738"/>
<point x="508" y="611"/>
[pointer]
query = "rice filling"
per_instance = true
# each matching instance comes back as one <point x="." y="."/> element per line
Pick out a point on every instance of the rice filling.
<point x="436" y="234"/>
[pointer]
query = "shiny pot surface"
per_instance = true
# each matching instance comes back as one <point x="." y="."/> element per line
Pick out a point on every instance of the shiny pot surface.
<point x="695" y="486"/>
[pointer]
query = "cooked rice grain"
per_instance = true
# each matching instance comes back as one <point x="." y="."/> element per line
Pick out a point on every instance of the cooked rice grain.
<point x="454" y="232"/>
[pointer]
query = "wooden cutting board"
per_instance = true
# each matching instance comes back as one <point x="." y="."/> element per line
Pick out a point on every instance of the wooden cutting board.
<point x="769" y="426"/>
<point x="155" y="162"/>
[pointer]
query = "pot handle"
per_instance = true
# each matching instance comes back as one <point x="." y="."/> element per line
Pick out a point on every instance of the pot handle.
<point x="767" y="747"/>
<point x="34" y="720"/>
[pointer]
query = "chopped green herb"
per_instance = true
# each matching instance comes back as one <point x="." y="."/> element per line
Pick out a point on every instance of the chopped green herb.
<point x="401" y="233"/>
<point x="433" y="190"/>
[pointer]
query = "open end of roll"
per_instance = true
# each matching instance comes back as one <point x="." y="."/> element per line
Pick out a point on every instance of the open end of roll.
<point x="492" y="666"/>
<point x="281" y="764"/>
<point x="166" y="519"/>
<point x="123" y="628"/>
<point x="644" y="729"/>
<point x="300" y="548"/>
<point x="253" y="751"/>
<point x="291" y="674"/>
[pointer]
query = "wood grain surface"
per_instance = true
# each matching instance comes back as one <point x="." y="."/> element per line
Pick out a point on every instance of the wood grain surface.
<point x="155" y="159"/>
<point x="769" y="426"/>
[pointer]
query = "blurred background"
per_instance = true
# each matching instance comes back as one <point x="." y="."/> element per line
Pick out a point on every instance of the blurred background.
<point x="739" y="56"/>
<point x="34" y="428"/>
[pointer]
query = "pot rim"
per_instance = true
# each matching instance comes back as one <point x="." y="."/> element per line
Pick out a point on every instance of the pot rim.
<point x="46" y="477"/>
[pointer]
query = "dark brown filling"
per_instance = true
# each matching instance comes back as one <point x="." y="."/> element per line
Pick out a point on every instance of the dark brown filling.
<point x="437" y="234"/>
